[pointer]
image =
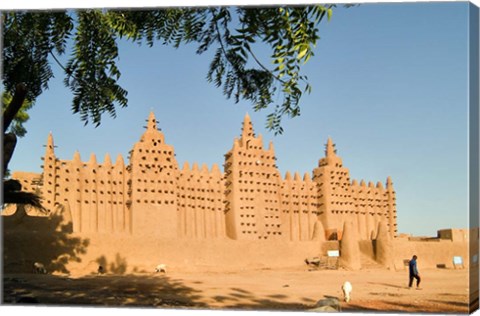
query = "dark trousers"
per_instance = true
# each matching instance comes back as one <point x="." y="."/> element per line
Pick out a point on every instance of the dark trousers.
<point x="414" y="276"/>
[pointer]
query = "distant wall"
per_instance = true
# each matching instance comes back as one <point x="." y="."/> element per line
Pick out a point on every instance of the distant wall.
<point x="433" y="253"/>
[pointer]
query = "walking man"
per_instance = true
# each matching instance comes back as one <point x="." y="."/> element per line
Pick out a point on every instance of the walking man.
<point x="413" y="272"/>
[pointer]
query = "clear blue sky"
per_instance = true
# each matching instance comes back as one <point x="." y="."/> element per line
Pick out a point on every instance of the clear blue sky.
<point x="389" y="86"/>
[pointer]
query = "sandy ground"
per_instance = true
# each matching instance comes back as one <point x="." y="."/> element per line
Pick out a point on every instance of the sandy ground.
<point x="442" y="290"/>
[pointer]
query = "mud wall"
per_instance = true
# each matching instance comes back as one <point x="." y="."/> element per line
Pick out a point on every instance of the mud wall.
<point x="191" y="255"/>
<point x="50" y="240"/>
<point x="431" y="254"/>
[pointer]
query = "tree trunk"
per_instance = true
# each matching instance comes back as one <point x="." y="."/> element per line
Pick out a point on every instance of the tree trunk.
<point x="9" y="139"/>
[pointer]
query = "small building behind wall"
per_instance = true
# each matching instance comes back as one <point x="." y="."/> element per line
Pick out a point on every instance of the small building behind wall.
<point x="453" y="234"/>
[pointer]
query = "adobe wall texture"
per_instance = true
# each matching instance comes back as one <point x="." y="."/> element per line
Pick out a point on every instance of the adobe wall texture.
<point x="151" y="206"/>
<point x="50" y="240"/>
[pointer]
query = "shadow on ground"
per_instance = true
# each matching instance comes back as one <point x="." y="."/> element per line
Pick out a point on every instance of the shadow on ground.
<point x="105" y="290"/>
<point x="163" y="291"/>
<point x="133" y="291"/>
<point x="239" y="299"/>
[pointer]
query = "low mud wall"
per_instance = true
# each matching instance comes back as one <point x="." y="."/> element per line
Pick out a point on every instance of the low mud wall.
<point x="50" y="240"/>
<point x="435" y="253"/>
<point x="29" y="239"/>
<point x="141" y="255"/>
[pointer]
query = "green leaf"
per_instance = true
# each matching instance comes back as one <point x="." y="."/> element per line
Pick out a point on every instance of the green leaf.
<point x="280" y="67"/>
<point x="302" y="53"/>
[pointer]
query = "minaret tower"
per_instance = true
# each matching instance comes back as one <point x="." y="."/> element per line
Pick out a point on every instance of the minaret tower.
<point x="252" y="188"/>
<point x="49" y="175"/>
<point x="392" y="208"/>
<point x="152" y="189"/>
<point x="334" y="192"/>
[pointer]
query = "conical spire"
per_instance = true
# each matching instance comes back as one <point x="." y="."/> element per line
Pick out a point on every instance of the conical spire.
<point x="93" y="159"/>
<point x="50" y="147"/>
<point x="107" y="160"/>
<point x="195" y="166"/>
<point x="76" y="156"/>
<point x="119" y="161"/>
<point x="271" y="147"/>
<point x="247" y="128"/>
<point x="389" y="182"/>
<point x="331" y="157"/>
<point x="215" y="169"/>
<point x="236" y="143"/>
<point x="330" y="151"/>
<point x="50" y="144"/>
<point x="152" y="122"/>
<point x="288" y="176"/>
<point x="152" y="132"/>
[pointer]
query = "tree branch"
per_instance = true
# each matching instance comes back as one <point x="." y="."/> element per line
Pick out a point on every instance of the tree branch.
<point x="219" y="37"/>
<point x="59" y="63"/>
<point x="263" y="67"/>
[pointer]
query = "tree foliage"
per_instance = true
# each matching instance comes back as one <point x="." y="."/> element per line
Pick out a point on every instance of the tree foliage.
<point x="34" y="40"/>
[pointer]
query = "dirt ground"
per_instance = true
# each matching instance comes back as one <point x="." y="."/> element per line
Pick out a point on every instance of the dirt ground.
<point x="295" y="289"/>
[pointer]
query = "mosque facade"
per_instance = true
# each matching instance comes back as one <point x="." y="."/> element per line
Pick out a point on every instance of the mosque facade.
<point x="153" y="196"/>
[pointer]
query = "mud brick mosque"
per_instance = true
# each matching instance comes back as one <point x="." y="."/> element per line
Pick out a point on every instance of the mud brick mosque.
<point x="151" y="210"/>
<point x="250" y="200"/>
